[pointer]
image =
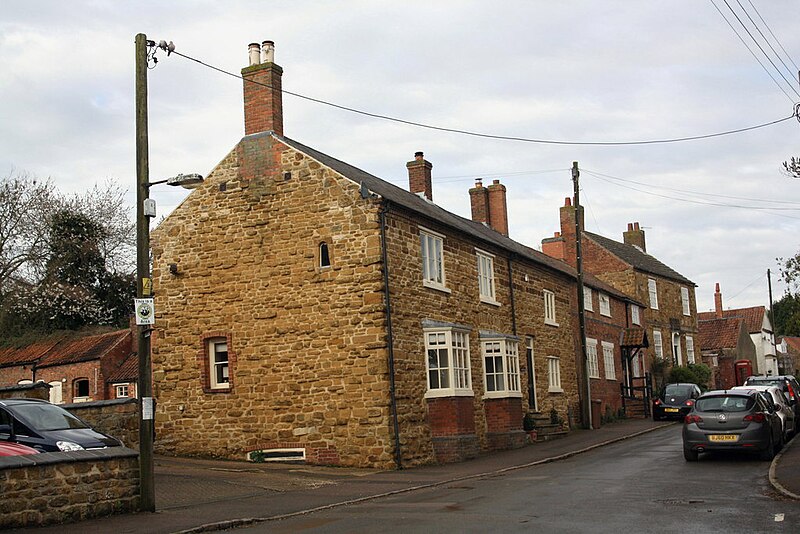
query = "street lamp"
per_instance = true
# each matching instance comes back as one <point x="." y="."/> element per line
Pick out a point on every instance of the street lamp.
<point x="145" y="208"/>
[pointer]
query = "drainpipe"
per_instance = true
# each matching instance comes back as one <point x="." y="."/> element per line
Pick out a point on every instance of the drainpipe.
<point x="398" y="455"/>
<point x="511" y="297"/>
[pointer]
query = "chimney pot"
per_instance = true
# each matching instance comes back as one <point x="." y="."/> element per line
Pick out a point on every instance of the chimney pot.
<point x="568" y="201"/>
<point x="636" y="226"/>
<point x="557" y="234"/>
<point x="254" y="52"/>
<point x="718" y="303"/>
<point x="267" y="52"/>
<point x="478" y="182"/>
<point x="630" y="227"/>
<point x="418" y="155"/>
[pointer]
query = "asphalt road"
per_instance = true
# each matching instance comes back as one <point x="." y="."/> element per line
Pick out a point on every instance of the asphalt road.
<point x="638" y="485"/>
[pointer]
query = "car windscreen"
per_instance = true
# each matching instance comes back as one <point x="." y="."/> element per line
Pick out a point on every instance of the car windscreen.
<point x="725" y="403"/>
<point x="47" y="417"/>
<point x="678" y="391"/>
<point x="756" y="381"/>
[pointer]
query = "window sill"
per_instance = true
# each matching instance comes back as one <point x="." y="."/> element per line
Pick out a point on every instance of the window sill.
<point x="555" y="390"/>
<point x="491" y="302"/>
<point x="217" y="390"/>
<point x="448" y="392"/>
<point x="593" y="377"/>
<point x="605" y="314"/>
<point x="502" y="395"/>
<point x="437" y="287"/>
<point x="551" y="323"/>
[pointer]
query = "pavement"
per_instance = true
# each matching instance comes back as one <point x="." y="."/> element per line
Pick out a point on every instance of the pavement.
<point x="197" y="495"/>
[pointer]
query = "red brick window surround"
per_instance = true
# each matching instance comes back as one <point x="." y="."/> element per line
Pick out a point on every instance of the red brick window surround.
<point x="217" y="362"/>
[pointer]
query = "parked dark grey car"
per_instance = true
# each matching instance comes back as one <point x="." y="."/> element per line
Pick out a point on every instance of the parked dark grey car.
<point x="789" y="386"/>
<point x="47" y="427"/>
<point x="739" y="420"/>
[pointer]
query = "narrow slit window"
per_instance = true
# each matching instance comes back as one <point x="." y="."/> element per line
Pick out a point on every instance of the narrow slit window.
<point x="324" y="255"/>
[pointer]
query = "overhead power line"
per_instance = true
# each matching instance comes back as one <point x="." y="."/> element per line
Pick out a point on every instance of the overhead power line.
<point x="774" y="36"/>
<point x="493" y="136"/>
<point x="777" y="55"/>
<point x="742" y="24"/>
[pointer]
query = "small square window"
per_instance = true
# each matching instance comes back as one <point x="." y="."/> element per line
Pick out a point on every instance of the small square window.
<point x="605" y="305"/>
<point x="121" y="391"/>
<point x="219" y="365"/>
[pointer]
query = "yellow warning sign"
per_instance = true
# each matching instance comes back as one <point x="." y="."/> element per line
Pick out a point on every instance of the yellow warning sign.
<point x="147" y="287"/>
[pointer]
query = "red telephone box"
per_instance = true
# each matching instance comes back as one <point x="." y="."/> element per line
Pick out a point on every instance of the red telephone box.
<point x="743" y="369"/>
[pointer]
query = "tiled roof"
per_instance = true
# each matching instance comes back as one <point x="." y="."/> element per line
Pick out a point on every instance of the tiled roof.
<point x="26" y="355"/>
<point x="719" y="333"/>
<point x="639" y="260"/>
<point x="634" y="337"/>
<point x="128" y="371"/>
<point x="792" y="343"/>
<point x="82" y="349"/>
<point x="753" y="317"/>
<point x="415" y="203"/>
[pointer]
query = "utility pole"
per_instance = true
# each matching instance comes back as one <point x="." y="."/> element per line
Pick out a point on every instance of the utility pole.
<point x="772" y="312"/>
<point x="147" y="500"/>
<point x="581" y="311"/>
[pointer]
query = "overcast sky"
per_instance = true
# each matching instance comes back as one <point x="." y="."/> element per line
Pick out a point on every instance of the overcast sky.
<point x="562" y="71"/>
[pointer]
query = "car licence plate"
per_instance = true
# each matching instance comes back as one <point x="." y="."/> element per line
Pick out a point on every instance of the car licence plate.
<point x="723" y="437"/>
<point x="672" y="410"/>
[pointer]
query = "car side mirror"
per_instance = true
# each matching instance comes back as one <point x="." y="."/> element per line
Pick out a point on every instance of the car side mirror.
<point x="5" y="429"/>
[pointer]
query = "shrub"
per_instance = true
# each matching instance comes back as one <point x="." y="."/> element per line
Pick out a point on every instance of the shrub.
<point x="694" y="373"/>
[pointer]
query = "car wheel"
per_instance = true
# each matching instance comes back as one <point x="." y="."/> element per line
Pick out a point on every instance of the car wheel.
<point x="690" y="455"/>
<point x="769" y="453"/>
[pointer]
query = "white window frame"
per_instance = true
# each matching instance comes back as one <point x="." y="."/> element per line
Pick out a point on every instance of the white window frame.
<point x="486" y="285"/>
<point x="549" y="307"/>
<point x="685" y="301"/>
<point x="433" y="274"/>
<point x="591" y="358"/>
<point x="453" y="343"/>
<point x="554" y="374"/>
<point x="503" y="382"/>
<point x="677" y="356"/>
<point x="635" y="316"/>
<point x="587" y="299"/>
<point x="605" y="304"/>
<point x="652" y="291"/>
<point x="213" y="365"/>
<point x="608" y="360"/>
<point x="658" y="347"/>
<point x="118" y="388"/>
<point x="690" y="349"/>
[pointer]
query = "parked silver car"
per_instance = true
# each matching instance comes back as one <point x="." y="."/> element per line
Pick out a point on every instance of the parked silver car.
<point x="783" y="407"/>
<point x="734" y="420"/>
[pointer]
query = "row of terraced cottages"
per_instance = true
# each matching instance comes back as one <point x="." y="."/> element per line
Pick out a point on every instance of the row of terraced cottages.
<point x="308" y="309"/>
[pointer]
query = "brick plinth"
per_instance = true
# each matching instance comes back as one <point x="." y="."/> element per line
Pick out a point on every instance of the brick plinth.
<point x="504" y="423"/>
<point x="452" y="422"/>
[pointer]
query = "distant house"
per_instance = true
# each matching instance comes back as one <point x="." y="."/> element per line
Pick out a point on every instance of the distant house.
<point x="758" y="326"/>
<point x="723" y="342"/>
<point x="76" y="368"/>
<point x="669" y="308"/>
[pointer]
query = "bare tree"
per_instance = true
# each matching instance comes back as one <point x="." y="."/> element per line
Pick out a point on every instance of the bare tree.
<point x="25" y="207"/>
<point x="105" y="206"/>
<point x="792" y="167"/>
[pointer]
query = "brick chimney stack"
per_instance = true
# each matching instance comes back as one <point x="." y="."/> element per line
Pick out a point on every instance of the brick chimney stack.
<point x="479" y="199"/>
<point x="569" y="253"/>
<point x="263" y="103"/>
<point x="634" y="236"/>
<point x="718" y="303"/>
<point x="498" y="209"/>
<point x="554" y="246"/>
<point x="419" y="176"/>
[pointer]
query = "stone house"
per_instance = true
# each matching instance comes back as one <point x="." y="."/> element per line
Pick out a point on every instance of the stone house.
<point x="758" y="326"/>
<point x="723" y="343"/>
<point x="307" y="309"/>
<point x="671" y="310"/>
<point x="76" y="368"/>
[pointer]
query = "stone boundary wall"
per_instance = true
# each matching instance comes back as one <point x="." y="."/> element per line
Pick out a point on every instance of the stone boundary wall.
<point x="118" y="418"/>
<point x="62" y="487"/>
<point x="39" y="390"/>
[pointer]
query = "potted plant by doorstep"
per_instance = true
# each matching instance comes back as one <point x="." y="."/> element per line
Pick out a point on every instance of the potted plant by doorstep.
<point x="529" y="426"/>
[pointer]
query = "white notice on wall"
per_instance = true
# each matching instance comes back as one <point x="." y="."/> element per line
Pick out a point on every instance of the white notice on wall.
<point x="145" y="312"/>
<point x="147" y="408"/>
